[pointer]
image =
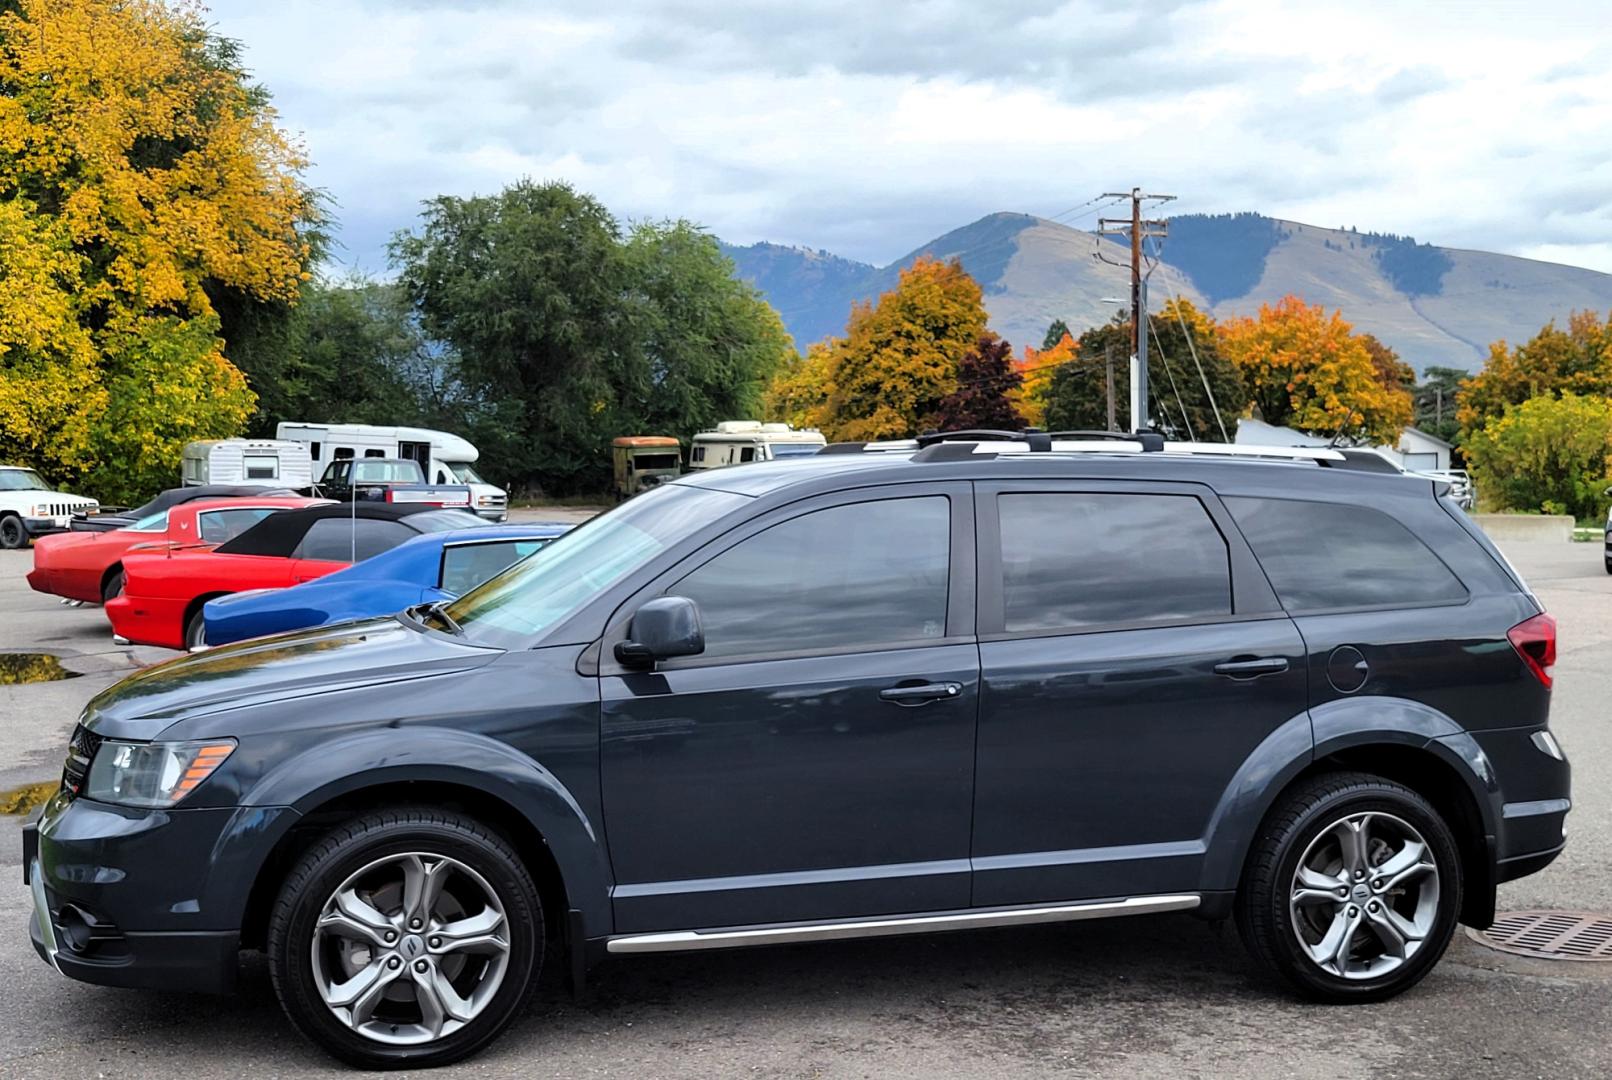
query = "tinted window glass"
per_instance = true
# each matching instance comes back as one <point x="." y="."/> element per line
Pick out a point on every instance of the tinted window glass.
<point x="1074" y="560"/>
<point x="262" y="467"/>
<point x="1323" y="556"/>
<point x="464" y="566"/>
<point x="864" y="575"/>
<point x="335" y="539"/>
<point x="218" y="526"/>
<point x="573" y="569"/>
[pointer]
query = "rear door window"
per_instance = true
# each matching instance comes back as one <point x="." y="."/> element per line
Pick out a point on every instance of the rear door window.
<point x="1328" y="557"/>
<point x="860" y="576"/>
<point x="1075" y="560"/>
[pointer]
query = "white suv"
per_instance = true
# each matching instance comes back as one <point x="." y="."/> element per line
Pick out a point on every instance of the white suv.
<point x="29" y="507"/>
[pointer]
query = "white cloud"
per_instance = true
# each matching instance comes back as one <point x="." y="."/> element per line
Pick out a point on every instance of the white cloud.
<point x="869" y="128"/>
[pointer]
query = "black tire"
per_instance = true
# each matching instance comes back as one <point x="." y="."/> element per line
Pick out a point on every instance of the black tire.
<point x="112" y="588"/>
<point x="195" y="630"/>
<point x="348" y="849"/>
<point x="12" y="534"/>
<point x="1302" y="818"/>
<point x="1609" y="566"/>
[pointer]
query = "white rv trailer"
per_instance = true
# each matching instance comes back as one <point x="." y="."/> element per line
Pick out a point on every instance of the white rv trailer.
<point x="739" y="442"/>
<point x="269" y="463"/>
<point x="445" y="458"/>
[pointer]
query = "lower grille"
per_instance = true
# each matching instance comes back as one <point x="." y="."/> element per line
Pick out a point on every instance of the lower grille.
<point x="80" y="752"/>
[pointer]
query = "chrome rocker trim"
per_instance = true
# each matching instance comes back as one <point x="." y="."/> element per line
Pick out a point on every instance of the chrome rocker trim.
<point x="683" y="940"/>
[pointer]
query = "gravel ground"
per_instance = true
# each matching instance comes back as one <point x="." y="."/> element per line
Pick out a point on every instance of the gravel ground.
<point x="1157" y="997"/>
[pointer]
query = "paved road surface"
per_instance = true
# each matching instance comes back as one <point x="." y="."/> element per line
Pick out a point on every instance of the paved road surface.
<point x="1164" y="997"/>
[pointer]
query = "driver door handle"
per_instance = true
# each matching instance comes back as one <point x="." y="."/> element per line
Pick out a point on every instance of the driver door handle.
<point x="924" y="692"/>
<point x="1252" y="668"/>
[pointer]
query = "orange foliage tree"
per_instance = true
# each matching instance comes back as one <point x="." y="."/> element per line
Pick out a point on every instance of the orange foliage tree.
<point x="1037" y="366"/>
<point x="1309" y="370"/>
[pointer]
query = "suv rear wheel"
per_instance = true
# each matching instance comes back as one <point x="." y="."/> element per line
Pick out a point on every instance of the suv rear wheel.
<point x="1352" y="890"/>
<point x="405" y="938"/>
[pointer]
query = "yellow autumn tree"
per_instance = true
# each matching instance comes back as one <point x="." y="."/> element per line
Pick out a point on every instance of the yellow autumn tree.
<point x="898" y="359"/>
<point x="139" y="174"/>
<point x="1308" y="369"/>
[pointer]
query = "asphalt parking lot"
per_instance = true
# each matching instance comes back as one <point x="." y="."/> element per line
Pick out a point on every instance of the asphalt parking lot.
<point x="1155" y="997"/>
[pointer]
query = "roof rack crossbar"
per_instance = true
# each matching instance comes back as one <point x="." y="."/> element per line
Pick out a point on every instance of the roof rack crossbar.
<point x="929" y="438"/>
<point x="842" y="448"/>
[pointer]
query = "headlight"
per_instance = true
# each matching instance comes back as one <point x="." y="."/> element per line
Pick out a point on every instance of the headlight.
<point x="152" y="774"/>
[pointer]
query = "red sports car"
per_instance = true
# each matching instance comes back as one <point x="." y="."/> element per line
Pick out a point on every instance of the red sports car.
<point x="163" y="596"/>
<point x="88" y="566"/>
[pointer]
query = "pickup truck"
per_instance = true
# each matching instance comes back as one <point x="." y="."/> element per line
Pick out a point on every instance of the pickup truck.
<point x="393" y="480"/>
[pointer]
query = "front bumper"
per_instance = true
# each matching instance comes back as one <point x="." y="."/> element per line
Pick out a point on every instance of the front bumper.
<point x="139" y="898"/>
<point x="498" y="514"/>
<point x="44" y="526"/>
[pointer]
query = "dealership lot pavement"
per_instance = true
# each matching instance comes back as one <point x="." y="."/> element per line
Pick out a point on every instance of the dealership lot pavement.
<point x="1160" y="997"/>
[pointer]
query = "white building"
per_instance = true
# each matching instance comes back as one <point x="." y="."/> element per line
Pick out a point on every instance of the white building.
<point x="1417" y="451"/>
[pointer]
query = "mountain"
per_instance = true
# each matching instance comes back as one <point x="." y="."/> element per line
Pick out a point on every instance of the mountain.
<point x="1432" y="305"/>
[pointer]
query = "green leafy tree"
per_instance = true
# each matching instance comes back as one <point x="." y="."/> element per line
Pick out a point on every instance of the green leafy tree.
<point x="527" y="287"/>
<point x="1551" y="454"/>
<point x="1182" y="408"/>
<point x="703" y="345"/>
<point x="557" y="331"/>
<point x="986" y="380"/>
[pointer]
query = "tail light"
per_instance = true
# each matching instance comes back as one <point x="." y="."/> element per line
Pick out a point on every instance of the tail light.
<point x="1535" y="642"/>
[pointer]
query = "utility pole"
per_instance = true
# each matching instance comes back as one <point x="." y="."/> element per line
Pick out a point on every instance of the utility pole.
<point x="1138" y="229"/>
<point x="1108" y="362"/>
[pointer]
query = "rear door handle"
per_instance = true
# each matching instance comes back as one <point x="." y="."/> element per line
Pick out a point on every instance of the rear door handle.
<point x="918" y="695"/>
<point x="1253" y="668"/>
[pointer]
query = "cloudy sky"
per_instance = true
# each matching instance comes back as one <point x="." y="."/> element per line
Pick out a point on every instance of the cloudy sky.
<point x="868" y="127"/>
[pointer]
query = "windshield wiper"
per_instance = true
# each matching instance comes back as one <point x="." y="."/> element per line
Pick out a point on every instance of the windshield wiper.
<point x="438" y="608"/>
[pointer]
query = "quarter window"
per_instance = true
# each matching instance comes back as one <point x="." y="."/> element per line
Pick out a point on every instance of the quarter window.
<point x="464" y="566"/>
<point x="1077" y="560"/>
<point x="863" y="575"/>
<point x="217" y="526"/>
<point x="347" y="539"/>
<point x="1325" y="556"/>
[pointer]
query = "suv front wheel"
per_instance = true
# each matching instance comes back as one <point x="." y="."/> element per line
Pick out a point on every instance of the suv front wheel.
<point x="405" y="938"/>
<point x="1352" y="890"/>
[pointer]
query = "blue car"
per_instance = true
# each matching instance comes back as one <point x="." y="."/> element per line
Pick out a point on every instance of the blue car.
<point x="436" y="566"/>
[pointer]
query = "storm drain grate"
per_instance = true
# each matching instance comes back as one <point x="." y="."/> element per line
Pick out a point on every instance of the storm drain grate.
<point x="1550" y="935"/>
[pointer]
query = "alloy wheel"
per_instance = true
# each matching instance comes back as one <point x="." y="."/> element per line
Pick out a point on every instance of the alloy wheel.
<point x="1364" y="896"/>
<point x="410" y="948"/>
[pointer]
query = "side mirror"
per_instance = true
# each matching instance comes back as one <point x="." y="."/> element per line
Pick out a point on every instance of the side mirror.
<point x="662" y="628"/>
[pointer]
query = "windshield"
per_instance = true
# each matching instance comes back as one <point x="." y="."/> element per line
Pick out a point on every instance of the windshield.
<point x="21" y="480"/>
<point x="540" y="591"/>
<point x="464" y="473"/>
<point x="783" y="450"/>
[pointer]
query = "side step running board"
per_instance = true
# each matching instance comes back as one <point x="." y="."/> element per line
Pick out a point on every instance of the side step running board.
<point x="681" y="940"/>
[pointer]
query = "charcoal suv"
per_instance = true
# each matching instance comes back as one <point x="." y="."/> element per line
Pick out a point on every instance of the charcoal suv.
<point x="962" y="683"/>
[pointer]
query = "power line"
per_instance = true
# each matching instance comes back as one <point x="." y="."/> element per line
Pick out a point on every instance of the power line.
<point x="1138" y="229"/>
<point x="1193" y="350"/>
<point x="1165" y="359"/>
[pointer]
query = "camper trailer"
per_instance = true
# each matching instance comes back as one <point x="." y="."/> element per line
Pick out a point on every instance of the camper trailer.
<point x="739" y="442"/>
<point x="445" y="458"/>
<point x="268" y="463"/>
